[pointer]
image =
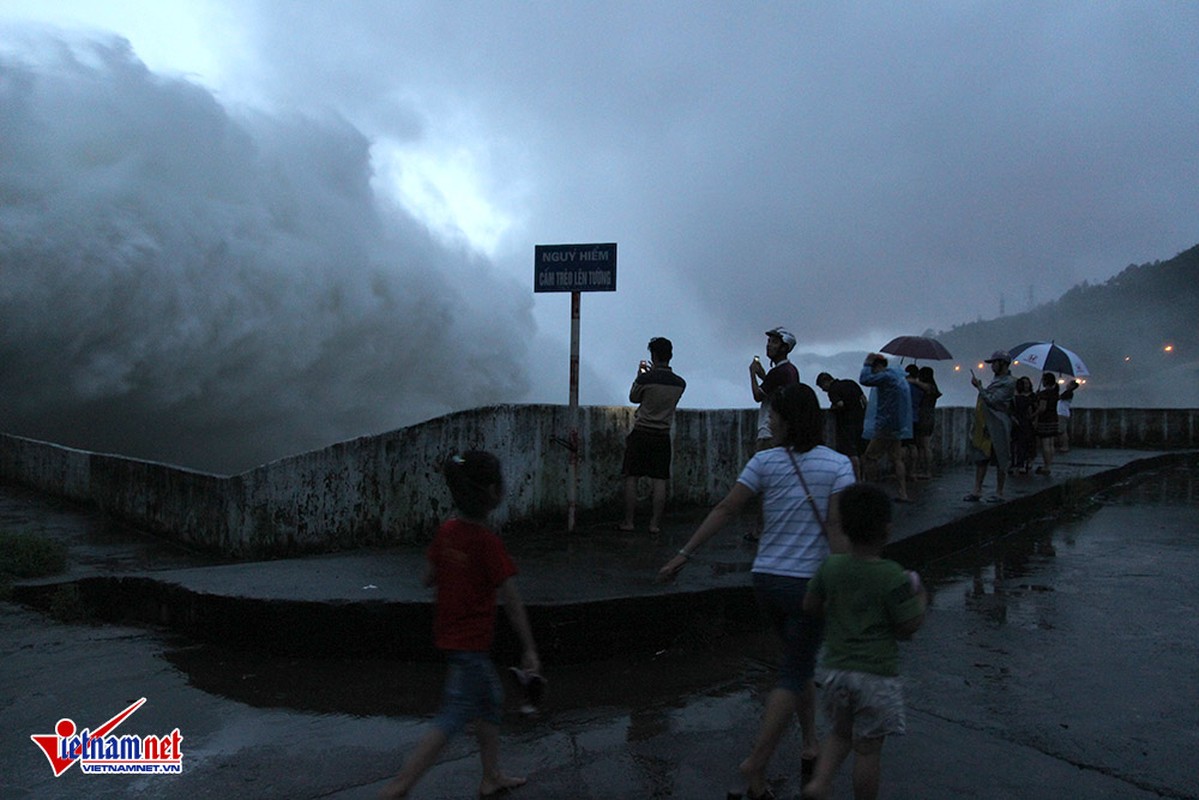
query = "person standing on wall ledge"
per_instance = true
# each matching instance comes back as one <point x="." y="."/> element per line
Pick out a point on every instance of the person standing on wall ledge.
<point x="779" y="344"/>
<point x="656" y="390"/>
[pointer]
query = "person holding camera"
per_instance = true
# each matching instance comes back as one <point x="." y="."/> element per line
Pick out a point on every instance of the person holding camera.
<point x="656" y="390"/>
<point x="779" y="344"/>
<point x="991" y="435"/>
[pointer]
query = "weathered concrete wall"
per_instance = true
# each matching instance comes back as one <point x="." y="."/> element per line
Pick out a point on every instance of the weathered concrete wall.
<point x="384" y="489"/>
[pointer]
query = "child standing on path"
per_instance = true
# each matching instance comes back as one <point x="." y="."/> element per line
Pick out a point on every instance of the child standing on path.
<point x="868" y="603"/>
<point x="468" y="564"/>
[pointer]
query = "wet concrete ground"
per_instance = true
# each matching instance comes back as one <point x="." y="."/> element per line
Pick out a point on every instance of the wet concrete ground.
<point x="1058" y="663"/>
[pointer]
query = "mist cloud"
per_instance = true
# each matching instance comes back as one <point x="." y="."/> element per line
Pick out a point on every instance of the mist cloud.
<point x="851" y="171"/>
<point x="215" y="286"/>
<point x="838" y="168"/>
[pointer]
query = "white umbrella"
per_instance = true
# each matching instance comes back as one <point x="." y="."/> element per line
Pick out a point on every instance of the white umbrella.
<point x="1049" y="357"/>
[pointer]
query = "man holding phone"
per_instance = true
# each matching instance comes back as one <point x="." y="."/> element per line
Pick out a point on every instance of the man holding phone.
<point x="779" y="344"/>
<point x="656" y="390"/>
<point x="992" y="431"/>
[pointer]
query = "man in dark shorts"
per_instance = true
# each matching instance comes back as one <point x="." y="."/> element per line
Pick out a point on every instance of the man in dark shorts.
<point x="847" y="404"/>
<point x="647" y="450"/>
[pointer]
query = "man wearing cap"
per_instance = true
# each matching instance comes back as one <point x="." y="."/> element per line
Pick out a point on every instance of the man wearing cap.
<point x="779" y="343"/>
<point x="992" y="431"/>
<point x="888" y="419"/>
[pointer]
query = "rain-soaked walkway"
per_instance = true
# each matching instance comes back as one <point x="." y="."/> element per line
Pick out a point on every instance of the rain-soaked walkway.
<point x="1059" y="662"/>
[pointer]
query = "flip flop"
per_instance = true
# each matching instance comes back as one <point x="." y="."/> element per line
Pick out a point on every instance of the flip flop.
<point x="995" y="499"/>
<point x="972" y="498"/>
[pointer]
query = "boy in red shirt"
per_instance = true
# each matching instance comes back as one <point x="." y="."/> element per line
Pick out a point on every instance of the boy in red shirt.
<point x="468" y="564"/>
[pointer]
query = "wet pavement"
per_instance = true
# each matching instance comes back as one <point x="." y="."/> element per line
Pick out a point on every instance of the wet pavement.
<point x="1057" y="662"/>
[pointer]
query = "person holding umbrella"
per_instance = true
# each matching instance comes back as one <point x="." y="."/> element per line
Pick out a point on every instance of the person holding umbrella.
<point x="990" y="440"/>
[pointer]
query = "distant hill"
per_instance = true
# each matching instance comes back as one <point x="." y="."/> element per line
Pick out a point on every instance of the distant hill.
<point x="1120" y="328"/>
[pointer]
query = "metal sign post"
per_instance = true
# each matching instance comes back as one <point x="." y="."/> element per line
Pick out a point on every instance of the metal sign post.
<point x="574" y="268"/>
<point x="572" y="485"/>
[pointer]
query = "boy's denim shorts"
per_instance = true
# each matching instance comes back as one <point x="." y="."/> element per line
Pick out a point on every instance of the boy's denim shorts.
<point x="472" y="691"/>
<point x="781" y="600"/>
<point x="875" y="702"/>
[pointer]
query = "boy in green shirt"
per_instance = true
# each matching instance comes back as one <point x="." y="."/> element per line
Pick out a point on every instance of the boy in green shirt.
<point x="868" y="603"/>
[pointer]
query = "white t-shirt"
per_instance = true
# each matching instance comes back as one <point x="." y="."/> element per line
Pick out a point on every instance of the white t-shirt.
<point x="793" y="543"/>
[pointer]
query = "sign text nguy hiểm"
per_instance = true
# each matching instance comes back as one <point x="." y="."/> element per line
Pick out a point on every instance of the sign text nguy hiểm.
<point x="574" y="267"/>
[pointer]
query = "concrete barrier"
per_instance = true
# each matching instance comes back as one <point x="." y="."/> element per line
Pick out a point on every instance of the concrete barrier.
<point x="384" y="489"/>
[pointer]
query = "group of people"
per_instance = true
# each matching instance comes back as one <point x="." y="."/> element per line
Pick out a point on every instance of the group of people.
<point x="896" y="422"/>
<point x="1040" y="423"/>
<point x="818" y="570"/>
<point x="1012" y="422"/>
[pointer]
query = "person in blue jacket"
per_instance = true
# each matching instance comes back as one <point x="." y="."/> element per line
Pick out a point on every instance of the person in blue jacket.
<point x="888" y="419"/>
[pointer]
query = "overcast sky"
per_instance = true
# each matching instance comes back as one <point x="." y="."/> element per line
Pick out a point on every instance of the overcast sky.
<point x="851" y="171"/>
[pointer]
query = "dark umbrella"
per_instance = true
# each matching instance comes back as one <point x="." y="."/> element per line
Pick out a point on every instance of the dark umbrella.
<point x="1049" y="357"/>
<point x="917" y="347"/>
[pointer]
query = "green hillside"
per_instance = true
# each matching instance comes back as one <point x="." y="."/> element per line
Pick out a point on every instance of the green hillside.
<point x="1121" y="329"/>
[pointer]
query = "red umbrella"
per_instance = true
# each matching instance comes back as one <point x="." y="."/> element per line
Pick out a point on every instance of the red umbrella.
<point x="917" y="347"/>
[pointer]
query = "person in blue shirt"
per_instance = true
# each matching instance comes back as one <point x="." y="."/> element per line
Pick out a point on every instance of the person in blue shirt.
<point x="888" y="419"/>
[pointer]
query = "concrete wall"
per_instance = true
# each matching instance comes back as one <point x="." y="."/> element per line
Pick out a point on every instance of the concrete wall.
<point x="384" y="489"/>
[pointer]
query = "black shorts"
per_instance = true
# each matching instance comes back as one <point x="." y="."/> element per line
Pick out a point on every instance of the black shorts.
<point x="647" y="454"/>
<point x="848" y="438"/>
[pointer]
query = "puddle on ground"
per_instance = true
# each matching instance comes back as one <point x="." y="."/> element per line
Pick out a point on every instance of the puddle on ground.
<point x="992" y="583"/>
<point x="366" y="686"/>
<point x="1009" y="566"/>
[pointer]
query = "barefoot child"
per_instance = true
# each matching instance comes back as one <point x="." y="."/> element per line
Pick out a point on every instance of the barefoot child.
<point x="468" y="564"/>
<point x="868" y="603"/>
